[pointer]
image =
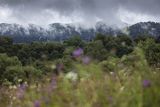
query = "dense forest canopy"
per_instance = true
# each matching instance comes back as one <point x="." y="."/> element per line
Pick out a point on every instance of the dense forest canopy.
<point x="101" y="48"/>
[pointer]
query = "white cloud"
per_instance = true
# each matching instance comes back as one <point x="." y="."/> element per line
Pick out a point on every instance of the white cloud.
<point x="44" y="17"/>
<point x="130" y="17"/>
<point x="5" y="13"/>
<point x="48" y="16"/>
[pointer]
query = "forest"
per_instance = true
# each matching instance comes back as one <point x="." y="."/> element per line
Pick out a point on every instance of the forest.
<point x="108" y="71"/>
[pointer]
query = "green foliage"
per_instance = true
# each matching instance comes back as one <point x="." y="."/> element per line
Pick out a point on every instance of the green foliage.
<point x="7" y="64"/>
<point x="110" y="64"/>
<point x="96" y="50"/>
<point x="153" y="55"/>
<point x="6" y="61"/>
<point x="74" y="41"/>
<point x="110" y="43"/>
<point x="12" y="70"/>
<point x="100" y="37"/>
<point x="142" y="38"/>
<point x="31" y="72"/>
<point x="66" y="63"/>
<point x="120" y="45"/>
<point x="120" y="72"/>
<point x="124" y="40"/>
<point x="128" y="82"/>
<point x="152" y="52"/>
<point x="5" y="41"/>
<point x="13" y="74"/>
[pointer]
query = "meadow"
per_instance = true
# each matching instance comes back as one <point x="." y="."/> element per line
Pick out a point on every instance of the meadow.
<point x="85" y="75"/>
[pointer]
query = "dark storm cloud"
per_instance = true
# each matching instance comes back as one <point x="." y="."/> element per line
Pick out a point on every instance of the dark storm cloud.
<point x="88" y="9"/>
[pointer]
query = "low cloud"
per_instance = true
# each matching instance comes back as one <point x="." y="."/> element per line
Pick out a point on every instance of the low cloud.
<point x="72" y="11"/>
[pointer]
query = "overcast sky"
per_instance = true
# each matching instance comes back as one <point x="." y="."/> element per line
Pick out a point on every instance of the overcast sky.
<point x="43" y="12"/>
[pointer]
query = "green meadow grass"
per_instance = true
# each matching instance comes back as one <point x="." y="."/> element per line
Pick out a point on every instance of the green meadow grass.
<point x="116" y="82"/>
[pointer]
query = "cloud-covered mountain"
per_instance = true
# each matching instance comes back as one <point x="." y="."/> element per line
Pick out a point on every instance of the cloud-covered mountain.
<point x="145" y="28"/>
<point x="60" y="32"/>
<point x="55" y="31"/>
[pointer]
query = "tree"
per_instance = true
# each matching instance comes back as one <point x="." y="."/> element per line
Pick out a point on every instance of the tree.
<point x="124" y="40"/>
<point x="6" y="63"/>
<point x="100" y="37"/>
<point x="110" y="43"/>
<point x="96" y="50"/>
<point x="5" y="41"/>
<point x="153" y="54"/>
<point x="152" y="51"/>
<point x="75" y="41"/>
<point x="143" y="38"/>
<point x="14" y="73"/>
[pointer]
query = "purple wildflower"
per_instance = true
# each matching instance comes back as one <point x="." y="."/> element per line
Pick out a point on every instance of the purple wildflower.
<point x="110" y="99"/>
<point x="21" y="91"/>
<point x="53" y="83"/>
<point x="78" y="52"/>
<point x="23" y="86"/>
<point x="37" y="103"/>
<point x="146" y="83"/>
<point x="86" y="60"/>
<point x="20" y="94"/>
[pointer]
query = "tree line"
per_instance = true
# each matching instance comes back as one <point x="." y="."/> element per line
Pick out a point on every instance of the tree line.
<point x="27" y="60"/>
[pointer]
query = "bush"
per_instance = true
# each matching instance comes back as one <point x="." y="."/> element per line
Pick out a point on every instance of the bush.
<point x="32" y="73"/>
<point x="13" y="74"/>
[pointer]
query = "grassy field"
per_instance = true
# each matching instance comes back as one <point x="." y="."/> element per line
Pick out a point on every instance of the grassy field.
<point x="116" y="82"/>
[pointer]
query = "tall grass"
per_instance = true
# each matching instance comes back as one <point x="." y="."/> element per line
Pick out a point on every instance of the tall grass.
<point x="116" y="82"/>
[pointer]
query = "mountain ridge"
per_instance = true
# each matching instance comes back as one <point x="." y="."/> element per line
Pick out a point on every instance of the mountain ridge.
<point x="60" y="32"/>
